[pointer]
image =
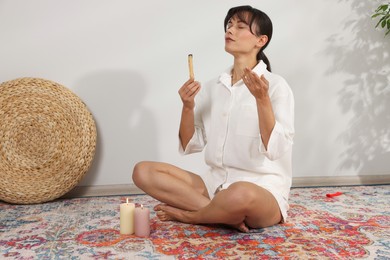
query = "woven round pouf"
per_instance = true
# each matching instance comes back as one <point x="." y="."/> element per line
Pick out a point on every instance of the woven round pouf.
<point x="47" y="140"/>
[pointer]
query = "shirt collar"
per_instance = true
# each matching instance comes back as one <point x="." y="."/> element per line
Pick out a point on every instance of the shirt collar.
<point x="226" y="78"/>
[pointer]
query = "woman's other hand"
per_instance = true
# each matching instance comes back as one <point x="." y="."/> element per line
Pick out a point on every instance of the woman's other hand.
<point x="188" y="92"/>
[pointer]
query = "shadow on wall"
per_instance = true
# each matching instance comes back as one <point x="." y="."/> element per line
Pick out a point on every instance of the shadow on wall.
<point x="126" y="129"/>
<point x="365" y="95"/>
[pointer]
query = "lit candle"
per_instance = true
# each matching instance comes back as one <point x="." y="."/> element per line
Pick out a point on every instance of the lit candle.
<point x="141" y="222"/>
<point x="127" y="218"/>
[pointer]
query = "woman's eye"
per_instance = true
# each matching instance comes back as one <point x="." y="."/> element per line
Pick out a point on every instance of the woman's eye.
<point x="242" y="25"/>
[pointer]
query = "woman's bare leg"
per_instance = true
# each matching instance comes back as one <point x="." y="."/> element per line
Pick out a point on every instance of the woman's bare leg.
<point x="242" y="202"/>
<point x="171" y="185"/>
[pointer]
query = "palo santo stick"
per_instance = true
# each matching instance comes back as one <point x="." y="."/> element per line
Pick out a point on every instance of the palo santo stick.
<point x="191" y="66"/>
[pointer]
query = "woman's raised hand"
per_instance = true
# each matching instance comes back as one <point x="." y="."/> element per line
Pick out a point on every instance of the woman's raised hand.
<point x="258" y="86"/>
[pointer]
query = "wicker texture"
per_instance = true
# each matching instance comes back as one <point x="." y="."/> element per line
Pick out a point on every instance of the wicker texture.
<point x="47" y="138"/>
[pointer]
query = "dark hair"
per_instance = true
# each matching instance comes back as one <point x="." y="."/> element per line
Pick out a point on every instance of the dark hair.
<point x="253" y="16"/>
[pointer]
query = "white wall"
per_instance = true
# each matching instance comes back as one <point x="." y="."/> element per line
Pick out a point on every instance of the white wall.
<point x="127" y="59"/>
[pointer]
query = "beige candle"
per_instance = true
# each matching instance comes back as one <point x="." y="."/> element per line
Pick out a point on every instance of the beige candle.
<point x="127" y="218"/>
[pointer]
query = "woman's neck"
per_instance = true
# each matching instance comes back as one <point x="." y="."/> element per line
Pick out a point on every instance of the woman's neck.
<point x="238" y="68"/>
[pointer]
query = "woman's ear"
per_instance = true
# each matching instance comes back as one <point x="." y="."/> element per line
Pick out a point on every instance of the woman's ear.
<point x="262" y="40"/>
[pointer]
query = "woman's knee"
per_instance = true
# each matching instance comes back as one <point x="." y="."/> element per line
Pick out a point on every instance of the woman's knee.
<point x="242" y="193"/>
<point x="140" y="172"/>
<point x="259" y="206"/>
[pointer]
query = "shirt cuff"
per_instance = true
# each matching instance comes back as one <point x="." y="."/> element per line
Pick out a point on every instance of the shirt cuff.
<point x="279" y="142"/>
<point x="196" y="143"/>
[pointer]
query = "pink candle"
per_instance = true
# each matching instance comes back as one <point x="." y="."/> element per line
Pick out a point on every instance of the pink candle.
<point x="141" y="222"/>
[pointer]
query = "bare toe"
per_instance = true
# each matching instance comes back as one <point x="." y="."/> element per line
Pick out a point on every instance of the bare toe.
<point x="163" y="216"/>
<point x="242" y="227"/>
<point x="159" y="207"/>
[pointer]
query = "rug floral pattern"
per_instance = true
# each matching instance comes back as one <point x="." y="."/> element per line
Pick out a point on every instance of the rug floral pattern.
<point x="354" y="225"/>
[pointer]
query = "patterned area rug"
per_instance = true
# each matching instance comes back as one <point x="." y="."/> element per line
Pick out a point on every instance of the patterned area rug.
<point x="354" y="225"/>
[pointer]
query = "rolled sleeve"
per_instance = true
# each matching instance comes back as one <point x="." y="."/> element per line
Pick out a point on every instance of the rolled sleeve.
<point x="196" y="144"/>
<point x="278" y="144"/>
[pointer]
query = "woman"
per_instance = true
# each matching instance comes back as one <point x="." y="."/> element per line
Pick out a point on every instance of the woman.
<point x="246" y="119"/>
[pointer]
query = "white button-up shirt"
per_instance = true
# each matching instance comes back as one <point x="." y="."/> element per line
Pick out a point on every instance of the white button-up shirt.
<point x="227" y="126"/>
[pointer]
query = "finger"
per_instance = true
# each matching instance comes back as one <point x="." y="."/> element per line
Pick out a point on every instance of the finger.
<point x="250" y="75"/>
<point x="188" y="91"/>
<point x="246" y="74"/>
<point x="195" y="84"/>
<point x="245" y="78"/>
<point x="184" y="87"/>
<point x="249" y="78"/>
<point x="193" y="89"/>
<point x="263" y="79"/>
<point x="190" y="80"/>
<point x="189" y="88"/>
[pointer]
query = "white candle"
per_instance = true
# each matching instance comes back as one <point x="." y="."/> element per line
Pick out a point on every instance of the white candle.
<point x="141" y="222"/>
<point x="127" y="218"/>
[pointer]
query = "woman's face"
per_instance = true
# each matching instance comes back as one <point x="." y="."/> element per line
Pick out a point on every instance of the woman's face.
<point x="239" y="38"/>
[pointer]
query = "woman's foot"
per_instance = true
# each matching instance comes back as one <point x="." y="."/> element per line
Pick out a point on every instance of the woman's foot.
<point x="168" y="213"/>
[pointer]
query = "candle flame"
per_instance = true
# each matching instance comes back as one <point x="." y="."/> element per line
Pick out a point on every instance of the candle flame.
<point x="142" y="206"/>
<point x="127" y="200"/>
